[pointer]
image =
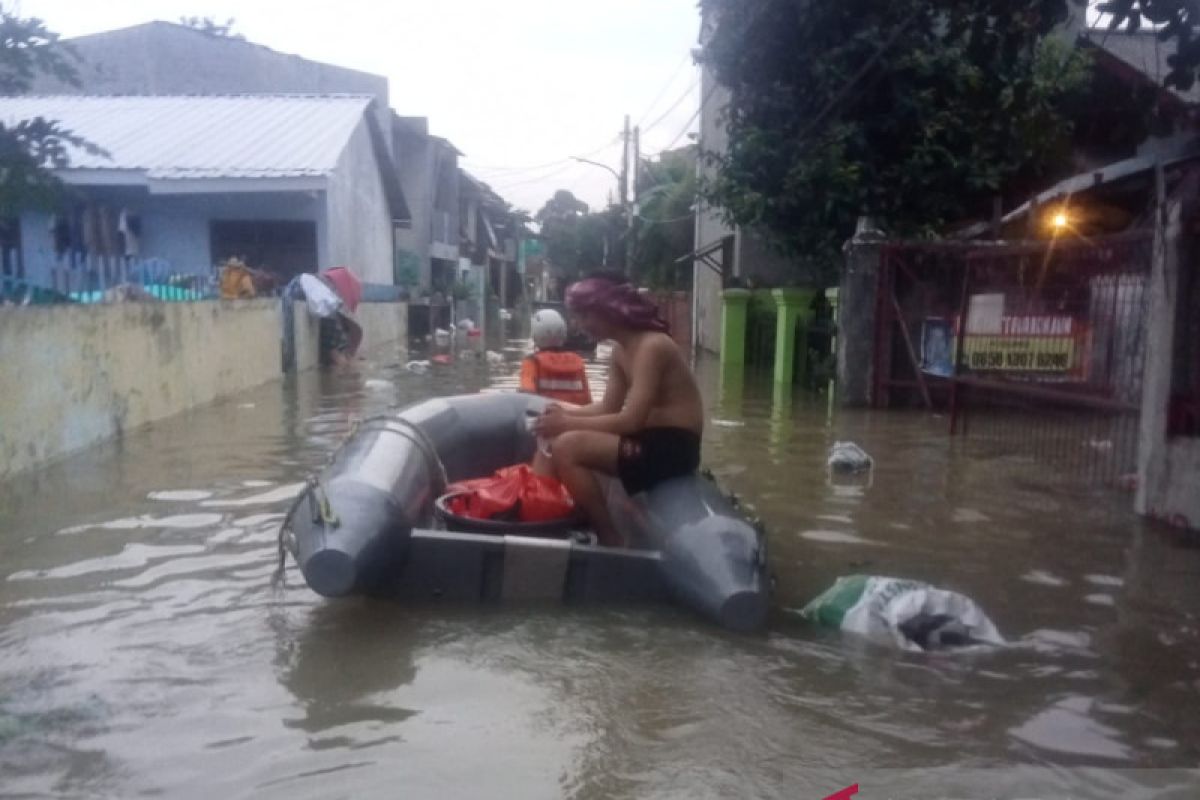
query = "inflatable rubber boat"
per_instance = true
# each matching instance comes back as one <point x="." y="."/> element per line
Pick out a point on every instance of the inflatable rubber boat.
<point x="370" y="524"/>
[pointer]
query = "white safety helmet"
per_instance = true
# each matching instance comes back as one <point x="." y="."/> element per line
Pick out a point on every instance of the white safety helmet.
<point x="548" y="329"/>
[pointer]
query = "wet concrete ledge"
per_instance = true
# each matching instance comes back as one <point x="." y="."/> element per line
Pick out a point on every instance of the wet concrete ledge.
<point x="73" y="376"/>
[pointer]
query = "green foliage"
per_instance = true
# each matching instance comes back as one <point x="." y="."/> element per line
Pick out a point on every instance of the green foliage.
<point x="29" y="149"/>
<point x="30" y="49"/>
<point x="917" y="112"/>
<point x="576" y="240"/>
<point x="666" y="193"/>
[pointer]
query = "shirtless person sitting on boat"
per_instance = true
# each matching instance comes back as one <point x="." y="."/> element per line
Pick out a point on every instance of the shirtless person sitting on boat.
<point x="647" y="427"/>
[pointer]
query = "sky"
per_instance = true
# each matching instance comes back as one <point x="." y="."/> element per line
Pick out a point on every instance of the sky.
<point x="519" y="86"/>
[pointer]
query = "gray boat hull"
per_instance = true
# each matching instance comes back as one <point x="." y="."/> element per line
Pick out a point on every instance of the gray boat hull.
<point x="367" y="525"/>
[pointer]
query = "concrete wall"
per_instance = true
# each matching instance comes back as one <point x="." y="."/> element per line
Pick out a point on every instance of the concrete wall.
<point x="72" y="376"/>
<point x="359" y="225"/>
<point x="383" y="324"/>
<point x="1168" y="467"/>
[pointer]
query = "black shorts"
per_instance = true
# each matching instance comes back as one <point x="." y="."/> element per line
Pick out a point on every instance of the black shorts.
<point x="647" y="458"/>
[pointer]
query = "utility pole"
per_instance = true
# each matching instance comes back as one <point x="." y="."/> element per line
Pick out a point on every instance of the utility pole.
<point x="631" y="215"/>
<point x="624" y="189"/>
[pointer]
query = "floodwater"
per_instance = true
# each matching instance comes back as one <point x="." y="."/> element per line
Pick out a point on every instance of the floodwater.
<point x="144" y="652"/>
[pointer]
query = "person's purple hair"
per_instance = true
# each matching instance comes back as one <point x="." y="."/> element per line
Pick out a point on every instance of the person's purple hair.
<point x="613" y="297"/>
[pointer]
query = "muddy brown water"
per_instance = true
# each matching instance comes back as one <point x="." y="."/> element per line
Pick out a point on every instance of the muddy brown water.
<point x="143" y="650"/>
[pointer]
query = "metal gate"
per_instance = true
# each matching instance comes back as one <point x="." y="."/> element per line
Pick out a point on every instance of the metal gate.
<point x="1035" y="348"/>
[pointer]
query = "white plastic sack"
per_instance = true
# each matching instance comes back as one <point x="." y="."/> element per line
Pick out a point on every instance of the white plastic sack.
<point x="910" y="615"/>
<point x="321" y="300"/>
<point x="848" y="457"/>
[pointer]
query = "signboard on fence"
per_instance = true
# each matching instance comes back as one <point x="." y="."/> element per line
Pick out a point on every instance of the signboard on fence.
<point x="1024" y="352"/>
<point x="1046" y="344"/>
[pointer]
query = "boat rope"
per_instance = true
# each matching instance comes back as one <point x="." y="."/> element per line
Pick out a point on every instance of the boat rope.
<point x="287" y="535"/>
<point x="416" y="434"/>
<point x="318" y="500"/>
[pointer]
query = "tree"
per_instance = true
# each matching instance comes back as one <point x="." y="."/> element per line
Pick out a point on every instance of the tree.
<point x="577" y="240"/>
<point x="666" y="191"/>
<point x="563" y="205"/>
<point x="30" y="148"/>
<point x="1176" y="21"/>
<point x="917" y="112"/>
<point x="210" y="27"/>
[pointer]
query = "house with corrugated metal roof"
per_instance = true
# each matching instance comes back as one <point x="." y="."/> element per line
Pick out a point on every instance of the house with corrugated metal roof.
<point x="289" y="183"/>
<point x="157" y="58"/>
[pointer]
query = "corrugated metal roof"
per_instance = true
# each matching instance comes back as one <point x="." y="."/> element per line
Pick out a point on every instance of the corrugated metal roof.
<point x="176" y="137"/>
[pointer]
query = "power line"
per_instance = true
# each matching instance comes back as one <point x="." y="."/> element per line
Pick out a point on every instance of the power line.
<point x="675" y="73"/>
<point x="687" y="93"/>
<point x="547" y="165"/>
<point x="687" y="125"/>
<point x="537" y="178"/>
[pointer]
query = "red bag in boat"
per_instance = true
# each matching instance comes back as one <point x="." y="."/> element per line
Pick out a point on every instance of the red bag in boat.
<point x="513" y="493"/>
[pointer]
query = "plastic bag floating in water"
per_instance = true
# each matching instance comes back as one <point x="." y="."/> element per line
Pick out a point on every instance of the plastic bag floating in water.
<point x="849" y="457"/>
<point x="910" y="615"/>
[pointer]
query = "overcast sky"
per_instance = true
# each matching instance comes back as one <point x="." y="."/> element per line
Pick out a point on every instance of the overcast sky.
<point x="518" y="86"/>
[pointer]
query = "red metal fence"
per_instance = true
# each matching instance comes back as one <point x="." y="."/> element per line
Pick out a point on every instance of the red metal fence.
<point x="1035" y="348"/>
<point x="676" y="309"/>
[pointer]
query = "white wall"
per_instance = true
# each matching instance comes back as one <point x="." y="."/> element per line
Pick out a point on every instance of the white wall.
<point x="1168" y="467"/>
<point x="706" y="283"/>
<point x="359" y="226"/>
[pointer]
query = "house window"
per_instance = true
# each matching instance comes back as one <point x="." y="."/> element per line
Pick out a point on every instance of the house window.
<point x="284" y="248"/>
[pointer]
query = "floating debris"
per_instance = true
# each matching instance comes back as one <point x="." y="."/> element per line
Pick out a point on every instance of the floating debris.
<point x="849" y="457"/>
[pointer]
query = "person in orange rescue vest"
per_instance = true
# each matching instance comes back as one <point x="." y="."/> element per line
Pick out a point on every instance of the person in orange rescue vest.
<point x="552" y="371"/>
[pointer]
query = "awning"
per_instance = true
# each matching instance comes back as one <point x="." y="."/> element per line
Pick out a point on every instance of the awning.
<point x="706" y="254"/>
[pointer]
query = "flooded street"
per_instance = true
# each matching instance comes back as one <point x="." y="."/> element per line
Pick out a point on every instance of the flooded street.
<point x="144" y="651"/>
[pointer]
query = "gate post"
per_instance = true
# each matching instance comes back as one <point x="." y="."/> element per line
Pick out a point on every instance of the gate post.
<point x="733" y="325"/>
<point x="856" y="316"/>
<point x="792" y="308"/>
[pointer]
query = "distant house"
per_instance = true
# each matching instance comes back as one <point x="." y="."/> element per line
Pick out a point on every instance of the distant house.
<point x="427" y="250"/>
<point x="290" y="183"/>
<point x="490" y="237"/>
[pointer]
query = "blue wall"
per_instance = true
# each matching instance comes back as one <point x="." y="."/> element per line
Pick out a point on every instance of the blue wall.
<point x="175" y="228"/>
